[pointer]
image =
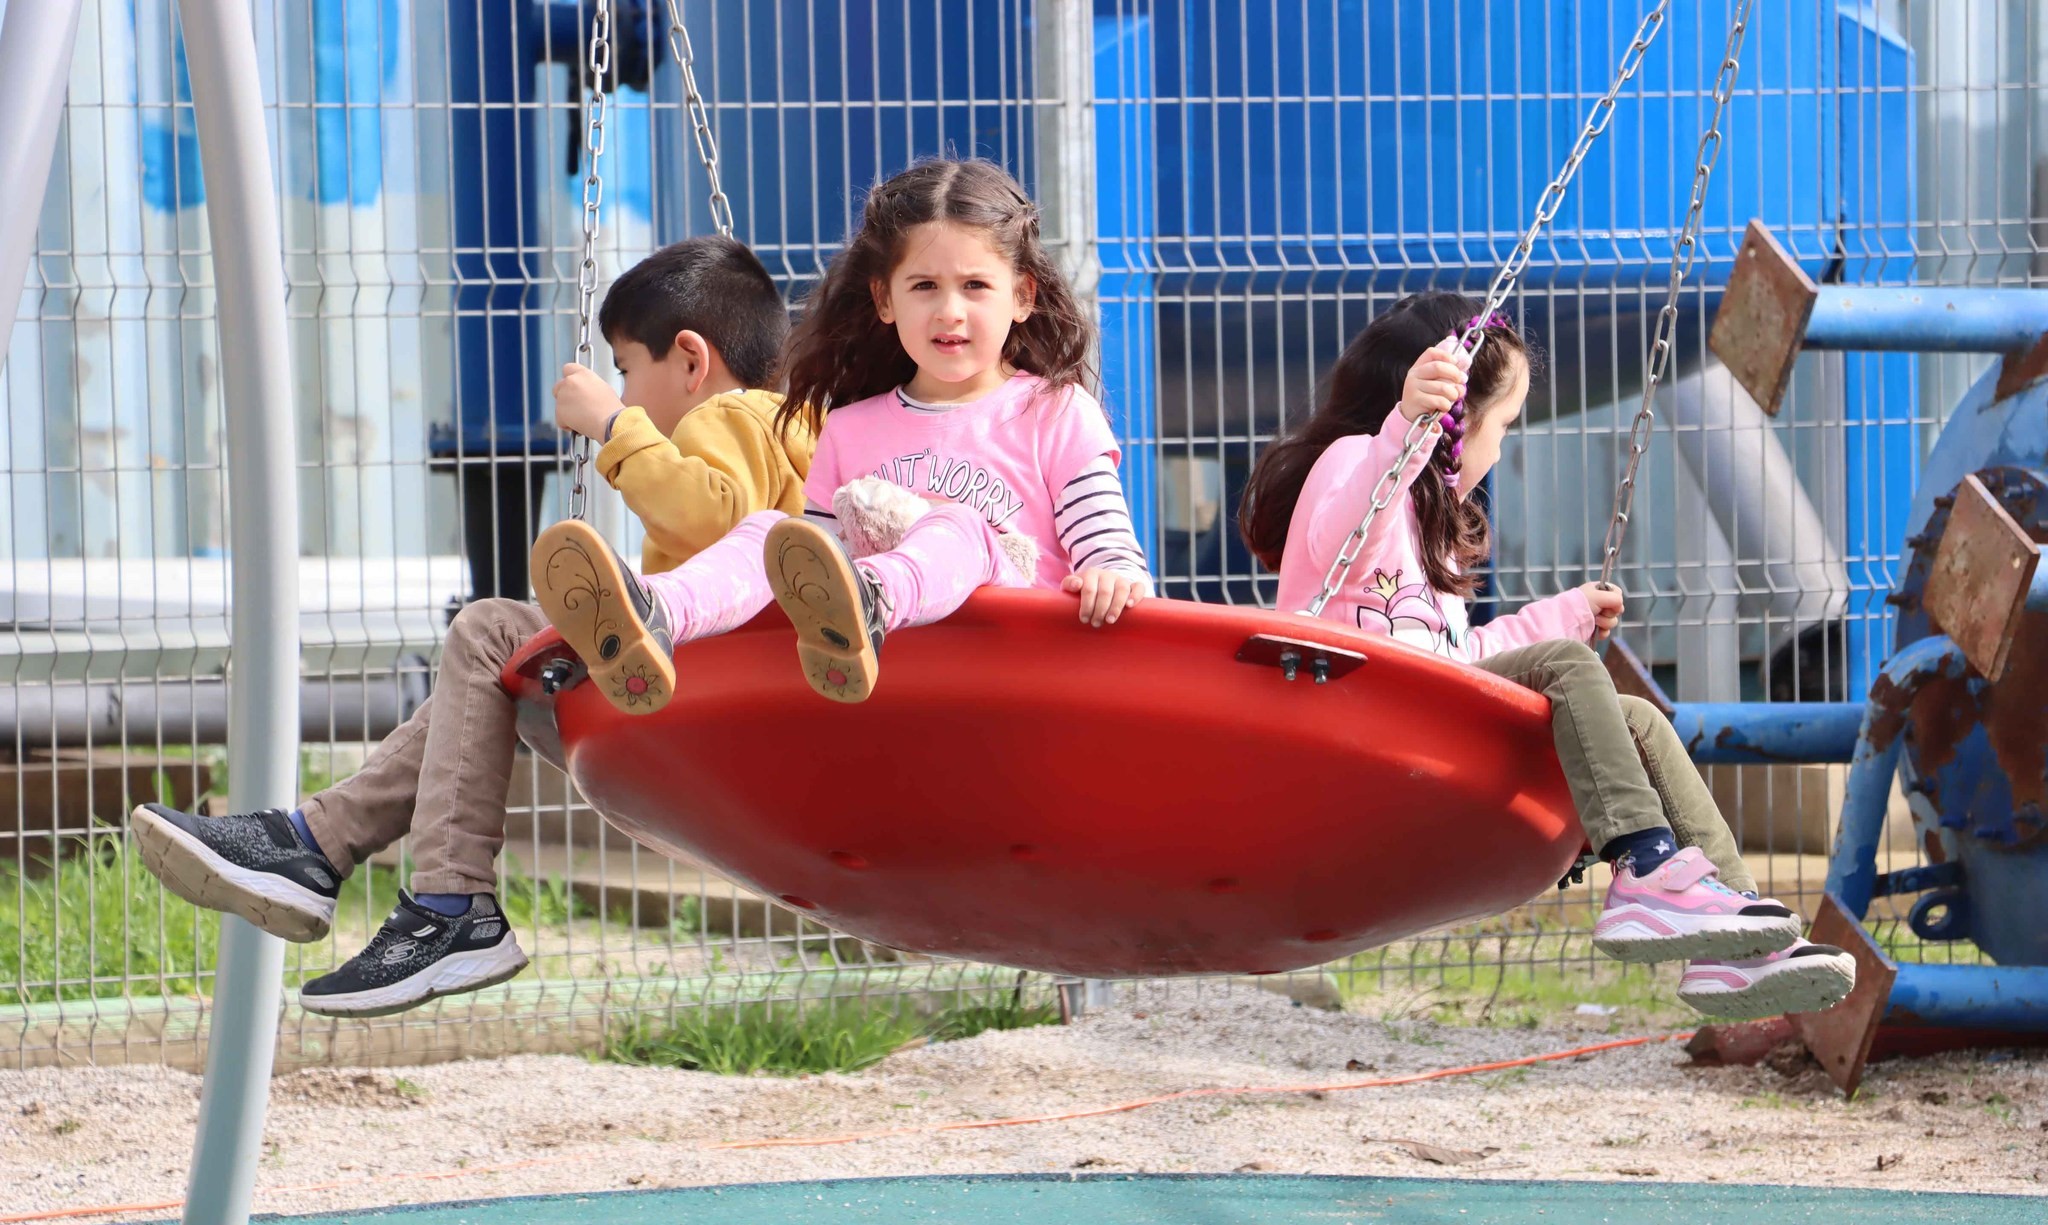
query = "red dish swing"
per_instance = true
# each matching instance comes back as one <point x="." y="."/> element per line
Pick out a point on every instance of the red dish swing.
<point x="1198" y="789"/>
<point x="1133" y="800"/>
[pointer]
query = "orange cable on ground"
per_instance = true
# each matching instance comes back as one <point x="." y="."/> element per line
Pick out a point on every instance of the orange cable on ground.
<point x="1384" y="1082"/>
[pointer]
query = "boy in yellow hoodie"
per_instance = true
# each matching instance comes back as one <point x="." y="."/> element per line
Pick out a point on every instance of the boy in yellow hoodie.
<point x="697" y="329"/>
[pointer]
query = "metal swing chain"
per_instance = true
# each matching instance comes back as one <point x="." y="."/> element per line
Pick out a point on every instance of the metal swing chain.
<point x="600" y="63"/>
<point x="1497" y="295"/>
<point x="1682" y="257"/>
<point x="593" y="198"/>
<point x="700" y="122"/>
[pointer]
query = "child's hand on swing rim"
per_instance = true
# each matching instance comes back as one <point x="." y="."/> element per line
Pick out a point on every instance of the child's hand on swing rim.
<point x="584" y="403"/>
<point x="1104" y="593"/>
<point x="1607" y="601"/>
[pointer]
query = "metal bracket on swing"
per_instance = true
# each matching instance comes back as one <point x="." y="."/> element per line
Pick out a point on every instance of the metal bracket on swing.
<point x="558" y="674"/>
<point x="1290" y="655"/>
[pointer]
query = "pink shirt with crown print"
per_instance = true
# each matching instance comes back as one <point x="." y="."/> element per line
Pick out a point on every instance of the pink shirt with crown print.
<point x="1010" y="455"/>
<point x="1388" y="591"/>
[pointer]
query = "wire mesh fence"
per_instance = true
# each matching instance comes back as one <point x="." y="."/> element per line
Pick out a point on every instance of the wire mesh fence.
<point x="1239" y="187"/>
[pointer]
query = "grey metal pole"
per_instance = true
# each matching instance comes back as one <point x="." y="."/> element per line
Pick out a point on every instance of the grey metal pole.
<point x="35" y="69"/>
<point x="1066" y="141"/>
<point x="263" y="670"/>
<point x="1065" y="98"/>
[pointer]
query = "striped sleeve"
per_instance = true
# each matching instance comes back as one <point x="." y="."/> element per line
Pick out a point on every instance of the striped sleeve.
<point x="1094" y="522"/>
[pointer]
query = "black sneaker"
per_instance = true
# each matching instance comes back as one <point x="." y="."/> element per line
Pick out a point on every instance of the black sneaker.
<point x="253" y="865"/>
<point x="607" y="615"/>
<point x="416" y="956"/>
<point x="839" y="610"/>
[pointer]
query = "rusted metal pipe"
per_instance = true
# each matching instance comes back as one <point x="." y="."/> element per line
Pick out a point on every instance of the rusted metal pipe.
<point x="1762" y="733"/>
<point x="1852" y="868"/>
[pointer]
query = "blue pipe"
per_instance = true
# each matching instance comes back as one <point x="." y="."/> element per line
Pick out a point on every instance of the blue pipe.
<point x="495" y="231"/>
<point x="1852" y="868"/>
<point x="1927" y="319"/>
<point x="2013" y="998"/>
<point x="1758" y="733"/>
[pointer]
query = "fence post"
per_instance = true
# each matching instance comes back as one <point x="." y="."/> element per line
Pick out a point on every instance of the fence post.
<point x="1066" y="141"/>
<point x="256" y="389"/>
<point x="1066" y="194"/>
<point x="35" y="70"/>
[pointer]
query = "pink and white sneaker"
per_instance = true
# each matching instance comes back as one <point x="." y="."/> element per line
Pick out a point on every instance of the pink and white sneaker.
<point x="1803" y="978"/>
<point x="1682" y="911"/>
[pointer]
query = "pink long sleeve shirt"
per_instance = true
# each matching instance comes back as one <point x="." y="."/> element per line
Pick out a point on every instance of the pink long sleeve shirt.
<point x="1388" y="591"/>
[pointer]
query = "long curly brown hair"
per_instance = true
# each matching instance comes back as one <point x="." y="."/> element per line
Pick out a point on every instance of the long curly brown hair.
<point x="840" y="351"/>
<point x="1360" y="390"/>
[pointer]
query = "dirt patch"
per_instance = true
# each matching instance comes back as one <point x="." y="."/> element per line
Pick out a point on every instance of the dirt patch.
<point x="550" y="1124"/>
<point x="348" y="1087"/>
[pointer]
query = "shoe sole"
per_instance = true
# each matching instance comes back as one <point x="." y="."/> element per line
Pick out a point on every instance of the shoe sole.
<point x="583" y="590"/>
<point x="1805" y="984"/>
<point x="472" y="970"/>
<point x="1639" y="934"/>
<point x="815" y="584"/>
<point x="198" y="873"/>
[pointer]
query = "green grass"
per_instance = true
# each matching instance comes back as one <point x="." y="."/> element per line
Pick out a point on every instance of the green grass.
<point x="99" y="918"/>
<point x="791" y="1039"/>
<point x="782" y="1038"/>
<point x="1008" y="1012"/>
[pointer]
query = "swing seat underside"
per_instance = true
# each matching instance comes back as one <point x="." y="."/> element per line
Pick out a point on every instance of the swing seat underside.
<point x="1151" y="798"/>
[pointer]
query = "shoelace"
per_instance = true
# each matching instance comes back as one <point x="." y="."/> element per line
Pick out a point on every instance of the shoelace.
<point x="880" y="593"/>
<point x="391" y="930"/>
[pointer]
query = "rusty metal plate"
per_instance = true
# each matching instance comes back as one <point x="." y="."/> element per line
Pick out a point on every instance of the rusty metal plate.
<point x="1840" y="1037"/>
<point x="1763" y="315"/>
<point x="1977" y="588"/>
<point x="2019" y="371"/>
<point x="1310" y="660"/>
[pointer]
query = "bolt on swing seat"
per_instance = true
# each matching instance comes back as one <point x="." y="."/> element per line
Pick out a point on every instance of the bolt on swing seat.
<point x="1153" y="798"/>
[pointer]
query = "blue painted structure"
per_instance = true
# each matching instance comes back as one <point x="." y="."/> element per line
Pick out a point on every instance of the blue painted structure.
<point x="2013" y="999"/>
<point x="1973" y="775"/>
<point x="1763" y="733"/>
<point x="1927" y="319"/>
<point x="1852" y="868"/>
<point x="1968" y="753"/>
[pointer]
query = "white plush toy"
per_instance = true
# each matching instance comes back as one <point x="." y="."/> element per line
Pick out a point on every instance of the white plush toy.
<point x="874" y="514"/>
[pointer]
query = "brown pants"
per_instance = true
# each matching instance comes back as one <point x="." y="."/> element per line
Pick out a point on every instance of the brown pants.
<point x="442" y="777"/>
<point x="1627" y="768"/>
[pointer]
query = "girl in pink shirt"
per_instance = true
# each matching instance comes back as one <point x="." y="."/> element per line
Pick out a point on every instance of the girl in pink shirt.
<point x="1680" y="887"/>
<point x="940" y="361"/>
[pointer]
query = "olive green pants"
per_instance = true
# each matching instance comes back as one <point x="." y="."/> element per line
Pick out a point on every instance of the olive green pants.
<point x="1627" y="769"/>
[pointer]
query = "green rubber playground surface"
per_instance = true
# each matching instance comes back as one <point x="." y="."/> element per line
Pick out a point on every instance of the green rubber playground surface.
<point x="1212" y="1200"/>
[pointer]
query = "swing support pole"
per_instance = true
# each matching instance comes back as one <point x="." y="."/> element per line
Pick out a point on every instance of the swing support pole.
<point x="35" y="70"/>
<point x="256" y="389"/>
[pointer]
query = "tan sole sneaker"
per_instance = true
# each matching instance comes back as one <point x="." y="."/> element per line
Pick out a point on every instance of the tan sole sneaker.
<point x="605" y="616"/>
<point x="815" y="583"/>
